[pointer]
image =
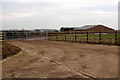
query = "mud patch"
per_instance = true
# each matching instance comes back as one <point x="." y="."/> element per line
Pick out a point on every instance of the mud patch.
<point x="9" y="50"/>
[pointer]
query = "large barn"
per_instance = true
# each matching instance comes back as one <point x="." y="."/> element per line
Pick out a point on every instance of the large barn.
<point x="96" y="28"/>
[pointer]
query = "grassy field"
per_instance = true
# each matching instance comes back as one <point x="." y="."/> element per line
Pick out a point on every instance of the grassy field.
<point x="89" y="35"/>
<point x="95" y="38"/>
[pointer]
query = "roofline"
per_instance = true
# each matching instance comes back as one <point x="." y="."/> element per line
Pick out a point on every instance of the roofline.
<point x="95" y="26"/>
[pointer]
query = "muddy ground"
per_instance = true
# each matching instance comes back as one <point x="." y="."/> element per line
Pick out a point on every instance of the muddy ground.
<point x="54" y="59"/>
<point x="9" y="50"/>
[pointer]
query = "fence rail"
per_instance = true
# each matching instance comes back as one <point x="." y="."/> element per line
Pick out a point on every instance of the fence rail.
<point x="92" y="37"/>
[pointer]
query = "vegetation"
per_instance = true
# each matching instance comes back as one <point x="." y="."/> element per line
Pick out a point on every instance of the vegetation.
<point x="94" y="38"/>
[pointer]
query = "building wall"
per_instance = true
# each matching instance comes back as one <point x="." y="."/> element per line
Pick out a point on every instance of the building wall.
<point x="101" y="28"/>
<point x="66" y="29"/>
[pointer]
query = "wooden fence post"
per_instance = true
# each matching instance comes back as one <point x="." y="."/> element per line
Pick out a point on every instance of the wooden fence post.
<point x="65" y="36"/>
<point x="12" y="35"/>
<point x="99" y="37"/>
<point x="51" y="34"/>
<point x="47" y="36"/>
<point x="75" y="37"/>
<point x="86" y="37"/>
<point x="4" y="35"/>
<point x="116" y="37"/>
<point x="56" y="35"/>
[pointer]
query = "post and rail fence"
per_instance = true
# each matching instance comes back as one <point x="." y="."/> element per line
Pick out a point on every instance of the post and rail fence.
<point x="93" y="37"/>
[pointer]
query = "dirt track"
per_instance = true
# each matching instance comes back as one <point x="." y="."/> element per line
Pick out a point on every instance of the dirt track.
<point x="98" y="60"/>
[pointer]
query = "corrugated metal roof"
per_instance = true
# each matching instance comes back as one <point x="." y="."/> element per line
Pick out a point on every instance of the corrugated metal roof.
<point x="85" y="27"/>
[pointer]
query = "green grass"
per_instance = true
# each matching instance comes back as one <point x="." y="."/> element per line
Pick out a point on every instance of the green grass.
<point x="84" y="35"/>
<point x="107" y="38"/>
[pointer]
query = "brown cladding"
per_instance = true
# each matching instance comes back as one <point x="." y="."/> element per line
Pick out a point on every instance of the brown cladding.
<point x="99" y="28"/>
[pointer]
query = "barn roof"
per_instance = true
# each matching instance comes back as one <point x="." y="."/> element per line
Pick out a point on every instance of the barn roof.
<point x="85" y="27"/>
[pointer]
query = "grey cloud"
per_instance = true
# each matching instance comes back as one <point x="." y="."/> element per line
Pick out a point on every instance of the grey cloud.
<point x="48" y="14"/>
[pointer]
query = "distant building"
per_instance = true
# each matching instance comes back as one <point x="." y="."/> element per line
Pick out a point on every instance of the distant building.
<point x="67" y="28"/>
<point x="94" y="28"/>
<point x="45" y="30"/>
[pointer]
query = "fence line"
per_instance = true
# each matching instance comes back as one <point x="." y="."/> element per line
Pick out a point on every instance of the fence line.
<point x="21" y="34"/>
<point x="86" y="37"/>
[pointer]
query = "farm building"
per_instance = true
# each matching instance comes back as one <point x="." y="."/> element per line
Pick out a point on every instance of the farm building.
<point x="67" y="28"/>
<point x="95" y="28"/>
<point x="45" y="30"/>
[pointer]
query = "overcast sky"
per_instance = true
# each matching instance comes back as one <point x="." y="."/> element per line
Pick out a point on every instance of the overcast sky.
<point x="52" y="14"/>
